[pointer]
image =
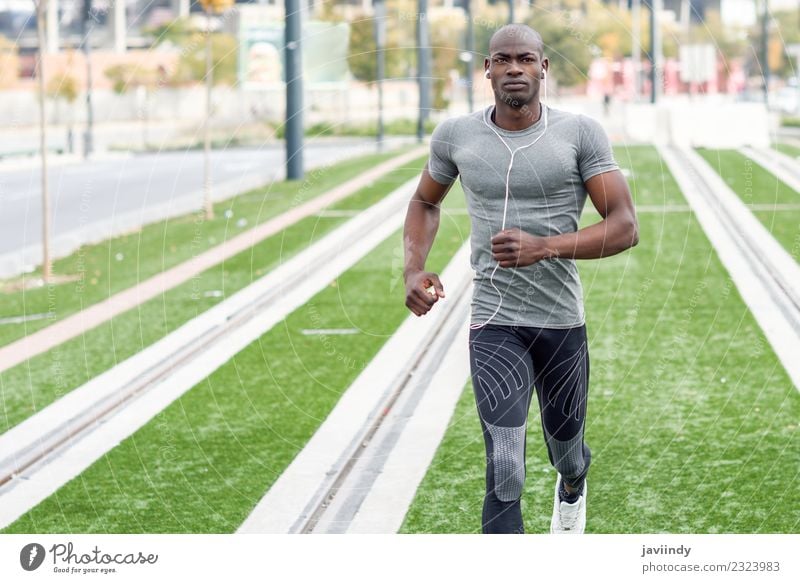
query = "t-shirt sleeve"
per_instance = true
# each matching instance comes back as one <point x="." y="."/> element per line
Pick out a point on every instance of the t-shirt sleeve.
<point x="440" y="164"/>
<point x="595" y="154"/>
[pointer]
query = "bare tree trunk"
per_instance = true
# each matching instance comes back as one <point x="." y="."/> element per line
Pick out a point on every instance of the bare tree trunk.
<point x="209" y="206"/>
<point x="41" y="15"/>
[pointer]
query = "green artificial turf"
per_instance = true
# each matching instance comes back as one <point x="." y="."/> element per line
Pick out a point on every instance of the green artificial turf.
<point x="757" y="186"/>
<point x="788" y="149"/>
<point x="106" y="268"/>
<point x="34" y="384"/>
<point x="692" y="421"/>
<point x="203" y="463"/>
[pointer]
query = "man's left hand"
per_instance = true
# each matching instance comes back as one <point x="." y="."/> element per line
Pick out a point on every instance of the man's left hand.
<point x="516" y="248"/>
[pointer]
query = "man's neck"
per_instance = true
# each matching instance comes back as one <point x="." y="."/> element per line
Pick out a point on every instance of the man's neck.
<point x="516" y="118"/>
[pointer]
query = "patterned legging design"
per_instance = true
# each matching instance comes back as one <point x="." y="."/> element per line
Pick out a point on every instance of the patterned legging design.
<point x="508" y="363"/>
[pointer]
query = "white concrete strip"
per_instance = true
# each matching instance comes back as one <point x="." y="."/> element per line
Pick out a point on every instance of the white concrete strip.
<point x="770" y="250"/>
<point x="330" y="331"/>
<point x="752" y="279"/>
<point x="338" y="213"/>
<point x="338" y="253"/>
<point x="74" y="325"/>
<point x="663" y="208"/>
<point x="782" y="166"/>
<point x="781" y="207"/>
<point x="387" y="503"/>
<point x="352" y="491"/>
<point x="28" y="318"/>
<point x="296" y="492"/>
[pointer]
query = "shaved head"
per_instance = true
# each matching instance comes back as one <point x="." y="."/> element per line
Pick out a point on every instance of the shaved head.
<point x="517" y="34"/>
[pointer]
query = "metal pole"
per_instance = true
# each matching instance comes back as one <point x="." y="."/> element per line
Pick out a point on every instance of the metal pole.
<point x="380" y="46"/>
<point x="294" y="92"/>
<point x="470" y="64"/>
<point x="423" y="68"/>
<point x="41" y="10"/>
<point x="636" y="16"/>
<point x="655" y="50"/>
<point x="765" y="48"/>
<point x="88" y="139"/>
<point x="207" y="204"/>
<point x="510" y="11"/>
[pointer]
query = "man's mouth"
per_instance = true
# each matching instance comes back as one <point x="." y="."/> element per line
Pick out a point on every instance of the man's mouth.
<point x="514" y="85"/>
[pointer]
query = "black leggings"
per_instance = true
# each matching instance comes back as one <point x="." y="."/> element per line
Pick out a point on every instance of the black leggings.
<point x="507" y="362"/>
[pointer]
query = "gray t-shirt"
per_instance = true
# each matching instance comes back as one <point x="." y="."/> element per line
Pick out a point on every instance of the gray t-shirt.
<point x="546" y="197"/>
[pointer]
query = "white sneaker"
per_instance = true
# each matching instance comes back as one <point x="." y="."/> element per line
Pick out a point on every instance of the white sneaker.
<point x="569" y="518"/>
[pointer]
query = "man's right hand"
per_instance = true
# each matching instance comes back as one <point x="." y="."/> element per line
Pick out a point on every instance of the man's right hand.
<point x="418" y="299"/>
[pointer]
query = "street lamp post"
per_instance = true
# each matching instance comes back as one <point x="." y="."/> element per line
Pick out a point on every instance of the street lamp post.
<point x="423" y="67"/>
<point x="380" y="46"/>
<point x="655" y="49"/>
<point x="765" y="48"/>
<point x="88" y="138"/>
<point x="210" y="7"/>
<point x="294" y="92"/>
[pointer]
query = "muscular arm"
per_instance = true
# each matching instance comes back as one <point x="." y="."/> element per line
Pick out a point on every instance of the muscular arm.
<point x="422" y="223"/>
<point x="616" y="232"/>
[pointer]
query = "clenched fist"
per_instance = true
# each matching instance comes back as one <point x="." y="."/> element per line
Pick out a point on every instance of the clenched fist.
<point x="418" y="299"/>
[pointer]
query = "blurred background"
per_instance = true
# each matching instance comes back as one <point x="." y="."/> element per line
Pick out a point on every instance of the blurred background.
<point x="146" y="61"/>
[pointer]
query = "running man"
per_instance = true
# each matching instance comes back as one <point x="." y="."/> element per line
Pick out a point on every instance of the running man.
<point x="526" y="170"/>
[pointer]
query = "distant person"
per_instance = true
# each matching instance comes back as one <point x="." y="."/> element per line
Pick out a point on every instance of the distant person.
<point x="526" y="170"/>
<point x="606" y="103"/>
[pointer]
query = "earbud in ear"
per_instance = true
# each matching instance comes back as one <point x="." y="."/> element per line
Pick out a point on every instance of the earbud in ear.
<point x="542" y="74"/>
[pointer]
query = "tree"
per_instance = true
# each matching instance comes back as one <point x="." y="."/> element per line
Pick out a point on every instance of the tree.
<point x="125" y="77"/>
<point x="192" y="64"/>
<point x="191" y="43"/>
<point x="172" y="33"/>
<point x="41" y="15"/>
<point x="446" y="41"/>
<point x="63" y="87"/>
<point x="568" y="44"/>
<point x="787" y="27"/>
<point x="361" y="50"/>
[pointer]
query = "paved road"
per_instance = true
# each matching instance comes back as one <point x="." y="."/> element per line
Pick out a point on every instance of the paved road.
<point x="91" y="201"/>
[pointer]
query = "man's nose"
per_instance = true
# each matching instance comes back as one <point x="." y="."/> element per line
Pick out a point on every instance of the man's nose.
<point x="514" y="68"/>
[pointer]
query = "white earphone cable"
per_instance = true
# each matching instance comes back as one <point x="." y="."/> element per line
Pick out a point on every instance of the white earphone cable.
<point x="543" y="110"/>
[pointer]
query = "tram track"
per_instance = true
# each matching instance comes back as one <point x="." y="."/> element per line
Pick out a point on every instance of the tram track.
<point x="54" y="445"/>
<point x="777" y="163"/>
<point x="766" y="275"/>
<point x="390" y="420"/>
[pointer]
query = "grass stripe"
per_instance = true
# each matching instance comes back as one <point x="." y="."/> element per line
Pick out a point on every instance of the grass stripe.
<point x="204" y="462"/>
<point x="692" y="421"/>
<point x="111" y="266"/>
<point x="34" y="384"/>
<point x="755" y="185"/>
<point x="788" y="149"/>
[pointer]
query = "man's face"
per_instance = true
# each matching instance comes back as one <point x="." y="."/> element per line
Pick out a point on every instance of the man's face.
<point x="515" y="67"/>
